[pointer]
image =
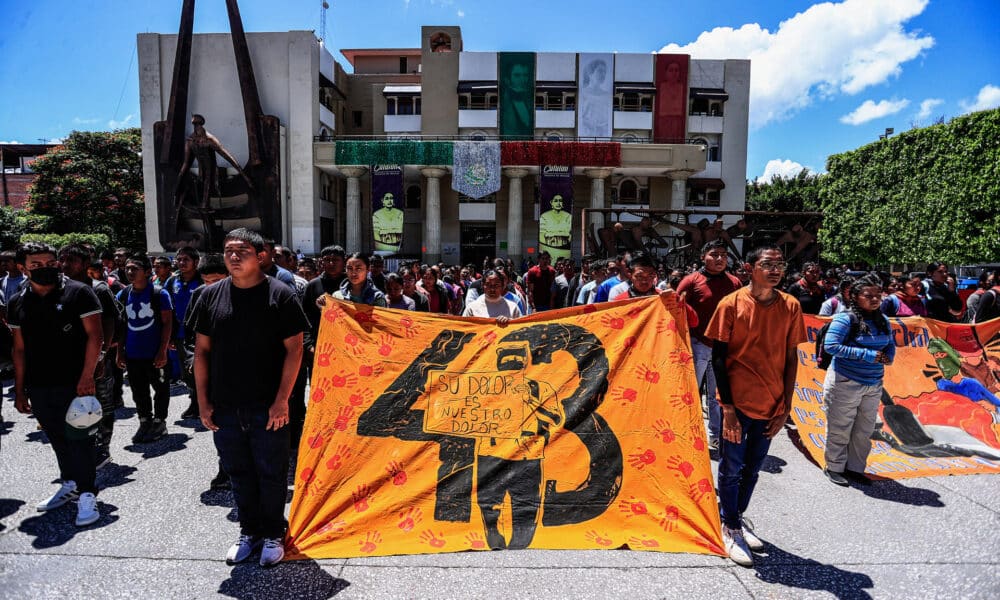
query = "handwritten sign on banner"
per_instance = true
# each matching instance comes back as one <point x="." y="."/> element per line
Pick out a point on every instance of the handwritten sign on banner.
<point x="939" y="410"/>
<point x="578" y="428"/>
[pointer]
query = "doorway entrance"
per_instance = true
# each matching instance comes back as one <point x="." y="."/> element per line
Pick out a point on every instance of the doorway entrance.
<point x="479" y="242"/>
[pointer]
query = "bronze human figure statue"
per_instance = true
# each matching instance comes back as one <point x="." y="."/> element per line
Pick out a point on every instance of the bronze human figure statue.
<point x="202" y="146"/>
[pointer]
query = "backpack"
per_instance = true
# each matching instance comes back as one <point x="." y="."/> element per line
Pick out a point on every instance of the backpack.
<point x="121" y="319"/>
<point x="824" y="358"/>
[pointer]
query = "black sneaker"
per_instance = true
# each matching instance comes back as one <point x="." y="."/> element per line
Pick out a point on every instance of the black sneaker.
<point x="102" y="458"/>
<point x="835" y="477"/>
<point x="140" y="435"/>
<point x="191" y="412"/>
<point x="857" y="477"/>
<point x="221" y="482"/>
<point x="156" y="431"/>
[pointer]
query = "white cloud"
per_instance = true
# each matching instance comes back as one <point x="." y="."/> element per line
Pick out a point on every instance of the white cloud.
<point x="869" y="111"/>
<point x="927" y="107"/>
<point x="782" y="168"/>
<point x="82" y="121"/>
<point x="826" y="50"/>
<point x="112" y="124"/>
<point x="987" y="98"/>
<point x="460" y="14"/>
<point x="10" y="142"/>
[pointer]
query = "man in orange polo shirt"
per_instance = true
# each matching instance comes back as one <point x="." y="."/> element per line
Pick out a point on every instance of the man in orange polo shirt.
<point x="756" y="331"/>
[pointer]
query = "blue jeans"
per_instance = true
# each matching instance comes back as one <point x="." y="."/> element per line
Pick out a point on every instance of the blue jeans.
<point x="739" y="465"/>
<point x="75" y="457"/>
<point x="703" y="371"/>
<point x="256" y="461"/>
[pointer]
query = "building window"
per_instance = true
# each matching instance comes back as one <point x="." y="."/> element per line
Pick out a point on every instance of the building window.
<point x="359" y="118"/>
<point x="324" y="134"/>
<point x="703" y="197"/>
<point x="402" y="105"/>
<point x="402" y="64"/>
<point x="633" y="102"/>
<point x="413" y="197"/>
<point x="705" y="107"/>
<point x="553" y="136"/>
<point x="477" y="101"/>
<point x="478" y="136"/>
<point x="714" y="155"/>
<point x="462" y="198"/>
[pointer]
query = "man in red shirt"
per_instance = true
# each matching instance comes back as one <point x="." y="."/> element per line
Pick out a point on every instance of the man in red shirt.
<point x="539" y="280"/>
<point x="702" y="290"/>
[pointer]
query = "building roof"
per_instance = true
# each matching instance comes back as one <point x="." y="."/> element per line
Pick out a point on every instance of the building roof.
<point x="353" y="53"/>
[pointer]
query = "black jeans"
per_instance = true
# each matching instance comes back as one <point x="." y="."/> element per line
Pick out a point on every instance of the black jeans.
<point x="141" y="376"/>
<point x="75" y="457"/>
<point x="256" y="461"/>
<point x="105" y="393"/>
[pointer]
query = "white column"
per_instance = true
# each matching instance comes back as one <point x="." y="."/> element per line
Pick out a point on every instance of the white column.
<point x="597" y="177"/>
<point x="515" y="210"/>
<point x="352" y="212"/>
<point x="678" y="189"/>
<point x="432" y="216"/>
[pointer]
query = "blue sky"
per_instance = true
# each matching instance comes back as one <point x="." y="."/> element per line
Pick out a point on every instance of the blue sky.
<point x="826" y="77"/>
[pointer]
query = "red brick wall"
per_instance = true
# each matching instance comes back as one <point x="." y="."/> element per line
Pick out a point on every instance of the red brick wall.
<point x="17" y="189"/>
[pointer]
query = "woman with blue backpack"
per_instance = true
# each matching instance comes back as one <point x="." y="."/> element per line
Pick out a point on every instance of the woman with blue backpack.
<point x="861" y="343"/>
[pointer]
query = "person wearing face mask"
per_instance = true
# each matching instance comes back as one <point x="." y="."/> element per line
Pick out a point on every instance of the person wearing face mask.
<point x="57" y="345"/>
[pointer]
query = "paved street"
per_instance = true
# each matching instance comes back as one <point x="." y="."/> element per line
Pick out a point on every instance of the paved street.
<point x="162" y="535"/>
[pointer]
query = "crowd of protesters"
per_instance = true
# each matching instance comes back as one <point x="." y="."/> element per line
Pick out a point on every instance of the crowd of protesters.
<point x="78" y="322"/>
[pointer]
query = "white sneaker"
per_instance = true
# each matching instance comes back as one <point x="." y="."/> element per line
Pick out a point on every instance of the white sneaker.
<point x="272" y="552"/>
<point x="736" y="546"/>
<point x="242" y="549"/>
<point x="86" y="510"/>
<point x="753" y="542"/>
<point x="63" y="495"/>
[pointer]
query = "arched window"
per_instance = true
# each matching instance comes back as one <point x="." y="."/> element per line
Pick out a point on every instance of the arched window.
<point x="553" y="136"/>
<point x="628" y="192"/>
<point x="440" y="42"/>
<point x="413" y="197"/>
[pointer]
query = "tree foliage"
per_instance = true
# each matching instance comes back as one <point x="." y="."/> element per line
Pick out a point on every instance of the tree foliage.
<point x="926" y="194"/>
<point x="796" y="193"/>
<point x="58" y="240"/>
<point x="15" y="223"/>
<point x="93" y="184"/>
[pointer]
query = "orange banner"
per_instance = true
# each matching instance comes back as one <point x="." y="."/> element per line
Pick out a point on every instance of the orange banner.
<point x="579" y="428"/>
<point x="939" y="411"/>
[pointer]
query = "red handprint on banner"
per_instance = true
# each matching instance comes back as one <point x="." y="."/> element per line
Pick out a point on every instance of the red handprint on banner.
<point x="386" y="344"/>
<point x="644" y="373"/>
<point x="675" y="463"/>
<point x="354" y="343"/>
<point x="699" y="490"/>
<point x="666" y="325"/>
<point x="434" y="541"/>
<point x="396" y="472"/>
<point x="365" y="318"/>
<point x="331" y="528"/>
<point x="323" y="354"/>
<point x="640" y="460"/>
<point x="344" y="379"/>
<point x="628" y="343"/>
<point x="668" y="518"/>
<point x="597" y="538"/>
<point x="613" y="322"/>
<point x="476" y="541"/>
<point x="409" y="518"/>
<point x="409" y="328"/>
<point x="319" y="393"/>
<point x="644" y="541"/>
<point x="685" y="400"/>
<point x="337" y="460"/>
<point x="360" y="397"/>
<point x="343" y="418"/>
<point x="307" y="475"/>
<point x="632" y="507"/>
<point x="371" y="541"/>
<point x="333" y="313"/>
<point x="316" y="441"/>
<point x="370" y="370"/>
<point x="681" y="357"/>
<point x="362" y="497"/>
<point x="623" y="395"/>
<point x="635" y="311"/>
<point x="697" y="439"/>
<point x="664" y="432"/>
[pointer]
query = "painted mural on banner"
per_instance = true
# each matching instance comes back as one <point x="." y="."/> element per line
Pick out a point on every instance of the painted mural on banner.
<point x="476" y="168"/>
<point x="517" y="95"/>
<point x="387" y="216"/>
<point x="670" y="118"/>
<point x="555" y="223"/>
<point x="939" y="411"/>
<point x="576" y="429"/>
<point x="596" y="90"/>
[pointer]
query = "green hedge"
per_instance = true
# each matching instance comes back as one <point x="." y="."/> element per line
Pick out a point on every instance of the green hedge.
<point x="97" y="240"/>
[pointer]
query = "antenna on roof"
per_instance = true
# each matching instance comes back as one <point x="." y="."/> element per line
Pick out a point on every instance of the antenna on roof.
<point x="324" y="5"/>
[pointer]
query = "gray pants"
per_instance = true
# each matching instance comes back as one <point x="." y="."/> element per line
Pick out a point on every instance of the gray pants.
<point x="851" y="410"/>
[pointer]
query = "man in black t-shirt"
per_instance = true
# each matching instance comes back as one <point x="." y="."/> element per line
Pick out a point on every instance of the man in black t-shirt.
<point x="250" y="324"/>
<point x="809" y="289"/>
<point x="942" y="303"/>
<point x="57" y="345"/>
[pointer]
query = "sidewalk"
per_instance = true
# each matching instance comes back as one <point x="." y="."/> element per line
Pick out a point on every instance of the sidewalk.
<point x="163" y="535"/>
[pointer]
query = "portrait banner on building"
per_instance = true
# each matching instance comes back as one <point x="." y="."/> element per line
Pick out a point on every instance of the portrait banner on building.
<point x="670" y="118"/>
<point x="517" y="95"/>
<point x="387" y="216"/>
<point x="577" y="429"/>
<point x="596" y="90"/>
<point x="555" y="222"/>
<point x="476" y="170"/>
<point x="938" y="414"/>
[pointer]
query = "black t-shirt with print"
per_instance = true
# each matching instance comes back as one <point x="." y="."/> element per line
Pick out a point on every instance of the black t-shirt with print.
<point x="55" y="341"/>
<point x="248" y="328"/>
